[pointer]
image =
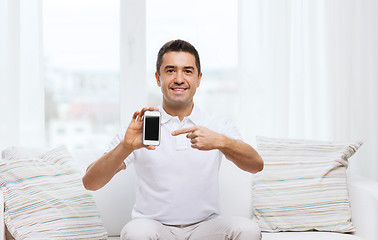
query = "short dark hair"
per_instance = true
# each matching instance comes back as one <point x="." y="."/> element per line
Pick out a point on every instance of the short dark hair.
<point x="177" y="46"/>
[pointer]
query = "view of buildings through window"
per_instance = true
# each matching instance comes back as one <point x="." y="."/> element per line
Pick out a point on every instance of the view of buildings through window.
<point x="81" y="64"/>
<point x="81" y="54"/>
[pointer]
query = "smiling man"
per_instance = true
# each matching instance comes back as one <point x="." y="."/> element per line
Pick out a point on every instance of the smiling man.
<point x="177" y="187"/>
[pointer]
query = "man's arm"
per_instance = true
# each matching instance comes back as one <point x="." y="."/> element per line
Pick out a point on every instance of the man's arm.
<point x="100" y="172"/>
<point x="243" y="155"/>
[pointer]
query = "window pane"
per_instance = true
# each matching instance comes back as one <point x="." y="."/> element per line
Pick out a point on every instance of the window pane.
<point x="81" y="54"/>
<point x="211" y="26"/>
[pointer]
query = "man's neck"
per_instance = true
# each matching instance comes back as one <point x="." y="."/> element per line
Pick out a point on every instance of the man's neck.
<point x="180" y="111"/>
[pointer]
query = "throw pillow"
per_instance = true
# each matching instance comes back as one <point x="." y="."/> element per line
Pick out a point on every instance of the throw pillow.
<point x="17" y="152"/>
<point x="45" y="199"/>
<point x="303" y="185"/>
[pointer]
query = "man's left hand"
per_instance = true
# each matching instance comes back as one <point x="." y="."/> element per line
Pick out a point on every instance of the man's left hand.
<point x="202" y="138"/>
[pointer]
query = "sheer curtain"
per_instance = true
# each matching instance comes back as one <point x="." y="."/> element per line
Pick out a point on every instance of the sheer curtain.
<point x="21" y="85"/>
<point x="308" y="70"/>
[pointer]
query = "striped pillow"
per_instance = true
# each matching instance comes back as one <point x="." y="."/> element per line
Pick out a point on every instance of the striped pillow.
<point x="303" y="185"/>
<point x="45" y="199"/>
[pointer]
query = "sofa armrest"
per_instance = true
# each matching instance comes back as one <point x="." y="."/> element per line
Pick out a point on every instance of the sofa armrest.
<point x="2" y="223"/>
<point x="363" y="195"/>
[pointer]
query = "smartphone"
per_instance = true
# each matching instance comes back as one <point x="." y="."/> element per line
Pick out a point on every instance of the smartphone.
<point x="151" y="128"/>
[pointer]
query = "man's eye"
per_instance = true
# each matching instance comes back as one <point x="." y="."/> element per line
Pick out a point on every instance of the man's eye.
<point x="188" y="71"/>
<point x="170" y="71"/>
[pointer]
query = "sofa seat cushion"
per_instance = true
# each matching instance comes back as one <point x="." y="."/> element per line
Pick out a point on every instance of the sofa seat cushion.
<point x="299" y="236"/>
<point x="309" y="236"/>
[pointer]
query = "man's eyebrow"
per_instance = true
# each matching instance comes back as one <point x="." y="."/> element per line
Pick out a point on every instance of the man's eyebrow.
<point x="172" y="66"/>
<point x="169" y="66"/>
<point x="189" y="67"/>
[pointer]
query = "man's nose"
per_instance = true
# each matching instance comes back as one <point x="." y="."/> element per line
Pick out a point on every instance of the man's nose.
<point x="179" y="77"/>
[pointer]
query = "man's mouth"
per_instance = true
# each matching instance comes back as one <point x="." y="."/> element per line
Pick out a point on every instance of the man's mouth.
<point x="177" y="89"/>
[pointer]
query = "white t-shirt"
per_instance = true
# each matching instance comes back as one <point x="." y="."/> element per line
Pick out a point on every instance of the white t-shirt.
<point x="177" y="184"/>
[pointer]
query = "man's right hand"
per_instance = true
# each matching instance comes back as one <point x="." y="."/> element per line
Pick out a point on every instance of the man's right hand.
<point x="134" y="133"/>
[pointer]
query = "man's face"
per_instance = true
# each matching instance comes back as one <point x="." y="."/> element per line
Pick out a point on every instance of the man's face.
<point x="179" y="78"/>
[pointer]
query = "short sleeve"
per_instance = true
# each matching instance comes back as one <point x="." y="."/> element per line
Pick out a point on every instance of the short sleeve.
<point x="223" y="126"/>
<point x="115" y="141"/>
<point x="228" y="129"/>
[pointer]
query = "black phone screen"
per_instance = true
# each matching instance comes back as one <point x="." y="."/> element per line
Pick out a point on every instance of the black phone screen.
<point x="152" y="128"/>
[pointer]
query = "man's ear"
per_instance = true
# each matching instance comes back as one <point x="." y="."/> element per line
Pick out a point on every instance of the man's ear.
<point x="199" y="79"/>
<point x="157" y="79"/>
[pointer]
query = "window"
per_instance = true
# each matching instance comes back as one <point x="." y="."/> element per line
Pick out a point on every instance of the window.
<point x="81" y="71"/>
<point x="81" y="53"/>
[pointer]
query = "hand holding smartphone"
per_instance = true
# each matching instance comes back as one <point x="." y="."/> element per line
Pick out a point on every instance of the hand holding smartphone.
<point x="151" y="128"/>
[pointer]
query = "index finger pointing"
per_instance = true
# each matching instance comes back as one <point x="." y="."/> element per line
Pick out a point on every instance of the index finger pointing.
<point x="184" y="130"/>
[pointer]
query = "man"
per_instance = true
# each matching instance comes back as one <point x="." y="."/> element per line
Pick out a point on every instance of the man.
<point x="177" y="191"/>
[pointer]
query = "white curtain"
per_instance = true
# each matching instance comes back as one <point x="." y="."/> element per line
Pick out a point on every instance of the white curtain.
<point x="309" y="69"/>
<point x="21" y="83"/>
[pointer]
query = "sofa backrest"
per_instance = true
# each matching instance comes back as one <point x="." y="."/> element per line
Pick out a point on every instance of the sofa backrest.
<point x="116" y="200"/>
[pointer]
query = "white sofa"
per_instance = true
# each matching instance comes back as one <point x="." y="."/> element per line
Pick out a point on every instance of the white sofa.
<point x="116" y="199"/>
